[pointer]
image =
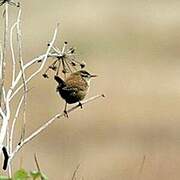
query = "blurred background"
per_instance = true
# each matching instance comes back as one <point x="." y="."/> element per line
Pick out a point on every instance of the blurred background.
<point x="134" y="133"/>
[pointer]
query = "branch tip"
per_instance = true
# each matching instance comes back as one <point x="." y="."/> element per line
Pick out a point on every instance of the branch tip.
<point x="18" y="4"/>
<point x="103" y="95"/>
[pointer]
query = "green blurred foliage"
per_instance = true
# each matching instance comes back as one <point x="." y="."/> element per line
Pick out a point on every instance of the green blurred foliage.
<point x="24" y="175"/>
<point x="4" y="178"/>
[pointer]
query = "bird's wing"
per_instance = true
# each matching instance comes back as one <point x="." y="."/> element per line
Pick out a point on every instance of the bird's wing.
<point x="78" y="84"/>
<point x="70" y="89"/>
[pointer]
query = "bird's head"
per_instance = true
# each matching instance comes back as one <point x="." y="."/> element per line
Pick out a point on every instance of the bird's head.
<point x="85" y="75"/>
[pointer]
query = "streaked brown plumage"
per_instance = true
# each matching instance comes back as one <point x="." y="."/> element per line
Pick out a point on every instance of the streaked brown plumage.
<point x="75" y="87"/>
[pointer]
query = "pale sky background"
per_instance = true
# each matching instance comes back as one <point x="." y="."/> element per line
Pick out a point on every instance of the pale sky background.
<point x="133" y="45"/>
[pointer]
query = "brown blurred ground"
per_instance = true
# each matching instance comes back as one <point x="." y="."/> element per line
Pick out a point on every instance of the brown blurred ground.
<point x="134" y="46"/>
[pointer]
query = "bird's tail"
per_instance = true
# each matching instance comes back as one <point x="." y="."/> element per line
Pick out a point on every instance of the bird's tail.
<point x="59" y="81"/>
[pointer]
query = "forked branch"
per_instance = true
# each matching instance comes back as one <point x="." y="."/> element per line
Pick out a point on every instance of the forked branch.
<point x="6" y="112"/>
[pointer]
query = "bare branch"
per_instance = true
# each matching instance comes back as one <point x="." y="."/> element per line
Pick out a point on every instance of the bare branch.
<point x="1" y="72"/>
<point x="1" y="60"/>
<point x="49" y="122"/>
<point x="4" y="94"/>
<point x="45" y="57"/>
<point x="8" y="149"/>
<point x="42" y="57"/>
<point x="9" y="93"/>
<point x="19" y="39"/>
<point x="14" y="122"/>
<point x="6" y="23"/>
<point x="20" y="73"/>
<point x="12" y="52"/>
<point x="9" y="170"/>
<point x="19" y="83"/>
<point x="13" y="84"/>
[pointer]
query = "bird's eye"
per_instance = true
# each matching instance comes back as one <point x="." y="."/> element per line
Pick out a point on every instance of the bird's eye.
<point x="84" y="75"/>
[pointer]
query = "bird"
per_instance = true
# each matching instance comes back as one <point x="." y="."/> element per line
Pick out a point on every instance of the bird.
<point x="74" y="88"/>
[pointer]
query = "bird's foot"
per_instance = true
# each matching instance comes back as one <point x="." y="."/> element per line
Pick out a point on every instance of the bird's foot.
<point x="80" y="105"/>
<point x="66" y="114"/>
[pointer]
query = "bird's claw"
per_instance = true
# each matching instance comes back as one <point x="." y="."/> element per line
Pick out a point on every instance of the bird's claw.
<point x="80" y="105"/>
<point x="66" y="114"/>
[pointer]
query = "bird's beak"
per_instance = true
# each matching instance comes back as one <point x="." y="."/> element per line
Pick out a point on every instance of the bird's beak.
<point x="93" y="75"/>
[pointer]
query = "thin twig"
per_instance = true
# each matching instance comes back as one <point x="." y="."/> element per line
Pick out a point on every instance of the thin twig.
<point x="64" y="68"/>
<point x="12" y="52"/>
<point x="64" y="48"/>
<point x="6" y="22"/>
<point x="1" y="69"/>
<point x="9" y="93"/>
<point x="8" y="149"/>
<point x="68" y="66"/>
<point x="19" y="39"/>
<point x="49" y="122"/>
<point x="142" y="164"/>
<point x="4" y="94"/>
<point x="43" y="58"/>
<point x="6" y="102"/>
<point x="14" y="122"/>
<point x="75" y="172"/>
<point x="59" y="65"/>
<point x="26" y="66"/>
<point x="7" y="138"/>
<point x="37" y="164"/>
<point x="56" y="50"/>
<point x="6" y="116"/>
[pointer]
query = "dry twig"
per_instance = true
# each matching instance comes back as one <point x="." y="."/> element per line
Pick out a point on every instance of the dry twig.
<point x="49" y="122"/>
<point x="75" y="172"/>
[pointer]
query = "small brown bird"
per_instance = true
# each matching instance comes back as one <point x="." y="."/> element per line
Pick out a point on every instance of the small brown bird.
<point x="74" y="88"/>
